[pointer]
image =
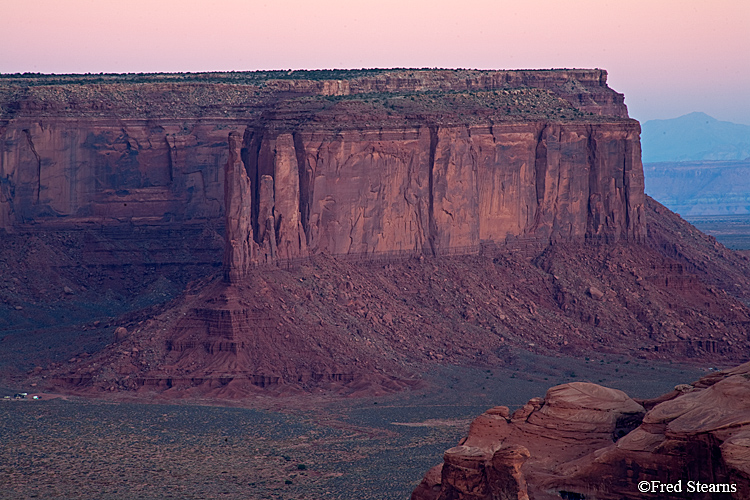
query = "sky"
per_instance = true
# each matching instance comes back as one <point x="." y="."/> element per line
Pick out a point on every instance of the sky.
<point x="669" y="57"/>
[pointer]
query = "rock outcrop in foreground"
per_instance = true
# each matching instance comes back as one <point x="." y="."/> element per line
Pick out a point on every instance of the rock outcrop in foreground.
<point x="585" y="441"/>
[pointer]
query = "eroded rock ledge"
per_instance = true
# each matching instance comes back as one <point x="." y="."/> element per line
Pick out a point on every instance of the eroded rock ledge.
<point x="585" y="441"/>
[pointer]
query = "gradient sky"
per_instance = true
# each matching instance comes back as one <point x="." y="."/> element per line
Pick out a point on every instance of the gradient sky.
<point x="669" y="57"/>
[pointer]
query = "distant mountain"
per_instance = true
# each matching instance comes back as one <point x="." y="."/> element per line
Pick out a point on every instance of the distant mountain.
<point x="694" y="137"/>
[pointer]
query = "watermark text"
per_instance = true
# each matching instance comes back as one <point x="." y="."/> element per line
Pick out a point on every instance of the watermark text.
<point x="686" y="486"/>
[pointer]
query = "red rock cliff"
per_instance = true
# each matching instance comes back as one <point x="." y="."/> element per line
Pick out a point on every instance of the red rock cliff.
<point x="404" y="161"/>
<point x="435" y="189"/>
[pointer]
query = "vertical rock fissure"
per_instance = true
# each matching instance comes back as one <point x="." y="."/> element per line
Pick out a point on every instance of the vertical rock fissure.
<point x="305" y="183"/>
<point x="594" y="215"/>
<point x="252" y="142"/>
<point x="540" y="172"/>
<point x="238" y="239"/>
<point x="172" y="157"/>
<point x="38" y="166"/>
<point x="277" y="226"/>
<point x="7" y="192"/>
<point x="558" y="183"/>
<point x="540" y="164"/>
<point x="626" y="192"/>
<point x="432" y="225"/>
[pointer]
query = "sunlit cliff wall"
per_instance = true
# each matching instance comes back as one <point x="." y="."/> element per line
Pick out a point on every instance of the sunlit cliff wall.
<point x="403" y="161"/>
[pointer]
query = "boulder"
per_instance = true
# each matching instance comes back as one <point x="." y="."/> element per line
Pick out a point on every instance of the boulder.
<point x="587" y="441"/>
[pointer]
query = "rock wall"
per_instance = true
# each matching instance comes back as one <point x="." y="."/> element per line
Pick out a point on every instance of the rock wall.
<point x="57" y="171"/>
<point x="550" y="157"/>
<point x="239" y="251"/>
<point x="434" y="190"/>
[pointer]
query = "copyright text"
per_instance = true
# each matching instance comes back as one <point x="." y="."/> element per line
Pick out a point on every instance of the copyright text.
<point x="689" y="487"/>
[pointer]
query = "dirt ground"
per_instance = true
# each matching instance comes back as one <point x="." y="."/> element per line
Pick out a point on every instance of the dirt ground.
<point x="306" y="447"/>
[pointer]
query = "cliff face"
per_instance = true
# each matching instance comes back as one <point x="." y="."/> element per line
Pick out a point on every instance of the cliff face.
<point x="57" y="170"/>
<point x="434" y="190"/>
<point x="395" y="162"/>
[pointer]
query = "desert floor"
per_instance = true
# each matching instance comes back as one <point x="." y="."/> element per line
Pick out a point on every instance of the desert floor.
<point x="301" y="447"/>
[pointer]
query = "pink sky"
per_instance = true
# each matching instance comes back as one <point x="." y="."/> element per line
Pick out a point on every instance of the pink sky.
<point x="669" y="57"/>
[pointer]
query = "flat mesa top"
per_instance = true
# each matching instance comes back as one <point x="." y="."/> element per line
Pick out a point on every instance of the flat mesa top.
<point x="380" y="95"/>
<point x="261" y="77"/>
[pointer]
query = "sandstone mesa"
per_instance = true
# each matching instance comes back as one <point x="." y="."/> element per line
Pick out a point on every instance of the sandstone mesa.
<point x="403" y="161"/>
<point x="276" y="170"/>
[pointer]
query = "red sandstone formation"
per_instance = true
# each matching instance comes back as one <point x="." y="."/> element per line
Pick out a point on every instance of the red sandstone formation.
<point x="378" y="166"/>
<point x="433" y="190"/>
<point x="239" y="247"/>
<point x="586" y="441"/>
<point x="401" y="162"/>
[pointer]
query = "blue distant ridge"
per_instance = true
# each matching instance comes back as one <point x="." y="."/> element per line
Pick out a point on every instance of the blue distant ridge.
<point x="694" y="137"/>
